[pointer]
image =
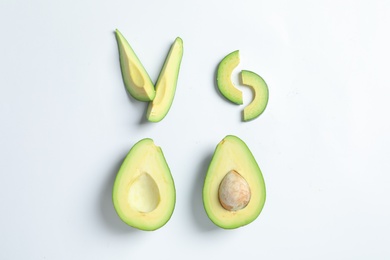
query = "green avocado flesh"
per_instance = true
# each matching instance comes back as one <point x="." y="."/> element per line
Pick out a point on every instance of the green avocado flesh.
<point x="231" y="158"/>
<point x="260" y="91"/>
<point x="166" y="83"/>
<point x="144" y="193"/>
<point x="224" y="78"/>
<point x="135" y="77"/>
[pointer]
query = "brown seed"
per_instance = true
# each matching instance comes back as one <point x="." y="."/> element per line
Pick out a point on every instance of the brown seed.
<point x="234" y="192"/>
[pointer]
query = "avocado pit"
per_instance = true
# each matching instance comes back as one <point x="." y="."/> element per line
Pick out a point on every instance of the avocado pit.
<point x="234" y="192"/>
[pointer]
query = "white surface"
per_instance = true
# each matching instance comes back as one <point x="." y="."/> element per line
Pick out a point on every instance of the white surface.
<point x="322" y="143"/>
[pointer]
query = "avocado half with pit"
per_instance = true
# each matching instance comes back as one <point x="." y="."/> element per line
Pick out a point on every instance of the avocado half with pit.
<point x="144" y="193"/>
<point x="234" y="189"/>
<point x="135" y="77"/>
<point x="166" y="83"/>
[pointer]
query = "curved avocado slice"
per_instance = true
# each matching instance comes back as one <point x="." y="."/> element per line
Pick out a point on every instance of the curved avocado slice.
<point x="144" y="193"/>
<point x="166" y="83"/>
<point x="234" y="172"/>
<point x="135" y="77"/>
<point x="260" y="91"/>
<point x="224" y="75"/>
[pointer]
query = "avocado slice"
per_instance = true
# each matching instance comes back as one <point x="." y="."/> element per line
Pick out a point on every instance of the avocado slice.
<point x="234" y="189"/>
<point x="135" y="77"/>
<point x="224" y="78"/>
<point x="144" y="193"/>
<point x="166" y="83"/>
<point x="260" y="91"/>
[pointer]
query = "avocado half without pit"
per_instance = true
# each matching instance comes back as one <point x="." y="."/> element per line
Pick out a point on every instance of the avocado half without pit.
<point x="144" y="192"/>
<point x="234" y="189"/>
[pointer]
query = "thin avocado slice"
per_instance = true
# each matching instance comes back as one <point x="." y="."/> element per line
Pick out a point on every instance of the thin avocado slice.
<point x="166" y="83"/>
<point x="260" y="92"/>
<point x="224" y="78"/>
<point x="144" y="193"/>
<point x="234" y="189"/>
<point x="135" y="77"/>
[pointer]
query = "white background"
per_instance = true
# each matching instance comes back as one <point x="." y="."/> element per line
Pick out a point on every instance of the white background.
<point x="323" y="142"/>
